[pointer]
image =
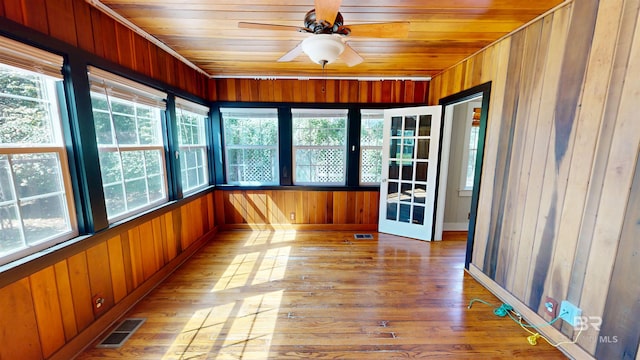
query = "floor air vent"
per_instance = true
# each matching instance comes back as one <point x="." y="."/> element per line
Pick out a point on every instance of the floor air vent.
<point x="362" y="236"/>
<point x="120" y="334"/>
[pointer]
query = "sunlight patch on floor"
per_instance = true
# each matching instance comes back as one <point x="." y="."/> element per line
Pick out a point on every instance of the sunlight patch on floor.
<point x="195" y="339"/>
<point x="273" y="266"/>
<point x="238" y="272"/>
<point x="270" y="237"/>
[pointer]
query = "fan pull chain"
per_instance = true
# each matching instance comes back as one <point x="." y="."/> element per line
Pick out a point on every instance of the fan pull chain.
<point x="324" y="76"/>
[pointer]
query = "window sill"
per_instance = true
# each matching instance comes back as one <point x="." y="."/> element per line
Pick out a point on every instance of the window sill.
<point x="227" y="187"/>
<point x="465" y="193"/>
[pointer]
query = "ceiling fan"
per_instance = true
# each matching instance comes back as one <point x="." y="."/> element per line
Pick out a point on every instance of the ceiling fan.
<point x="329" y="33"/>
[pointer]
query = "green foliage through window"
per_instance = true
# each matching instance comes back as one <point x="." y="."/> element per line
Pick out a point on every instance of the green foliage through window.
<point x="131" y="154"/>
<point x="251" y="146"/>
<point x="35" y="201"/>
<point x="319" y="146"/>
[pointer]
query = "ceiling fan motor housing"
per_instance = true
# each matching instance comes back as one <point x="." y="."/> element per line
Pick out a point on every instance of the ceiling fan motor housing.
<point x="324" y="27"/>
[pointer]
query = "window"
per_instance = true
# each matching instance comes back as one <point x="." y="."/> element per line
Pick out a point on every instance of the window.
<point x="36" y="200"/>
<point x="472" y="132"/>
<point x="251" y="146"/>
<point x="128" y="123"/>
<point x="371" y="146"/>
<point x="193" y="145"/>
<point x="319" y="146"/>
<point x="471" y="160"/>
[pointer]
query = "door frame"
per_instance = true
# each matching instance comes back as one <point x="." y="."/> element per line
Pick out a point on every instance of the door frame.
<point x="485" y="91"/>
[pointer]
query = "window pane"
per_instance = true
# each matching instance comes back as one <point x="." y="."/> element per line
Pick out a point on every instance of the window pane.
<point x="131" y="154"/>
<point x="29" y="108"/>
<point x="251" y="145"/>
<point x="371" y="133"/>
<point x="35" y="206"/>
<point x="110" y="167"/>
<point x="6" y="182"/>
<point x="35" y="211"/>
<point x="125" y="126"/>
<point x="114" y="199"/>
<point x="104" y="131"/>
<point x="319" y="146"/>
<point x="11" y="230"/>
<point x="471" y="159"/>
<point x="370" y="166"/>
<point x="36" y="174"/>
<point x="193" y="150"/>
<point x="133" y="165"/>
<point x="136" y="193"/>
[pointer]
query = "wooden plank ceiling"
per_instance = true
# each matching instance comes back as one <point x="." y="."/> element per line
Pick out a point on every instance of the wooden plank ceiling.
<point x="441" y="33"/>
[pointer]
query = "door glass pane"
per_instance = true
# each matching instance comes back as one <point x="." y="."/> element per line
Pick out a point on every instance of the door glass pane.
<point x="418" y="215"/>
<point x="394" y="170"/>
<point x="410" y="126"/>
<point x="394" y="149"/>
<point x="423" y="149"/>
<point x="420" y="193"/>
<point x="407" y="170"/>
<point x="405" y="213"/>
<point x="392" y="193"/>
<point x="421" y="171"/>
<point x="408" y="148"/>
<point x="425" y="125"/>
<point x="392" y="211"/>
<point x="396" y="126"/>
<point x="405" y="192"/>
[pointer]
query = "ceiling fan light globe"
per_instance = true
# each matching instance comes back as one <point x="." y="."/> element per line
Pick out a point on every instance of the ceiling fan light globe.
<point x="323" y="48"/>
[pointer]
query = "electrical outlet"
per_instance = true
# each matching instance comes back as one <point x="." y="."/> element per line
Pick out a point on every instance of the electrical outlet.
<point x="292" y="216"/>
<point x="551" y="307"/>
<point x="98" y="303"/>
<point x="570" y="313"/>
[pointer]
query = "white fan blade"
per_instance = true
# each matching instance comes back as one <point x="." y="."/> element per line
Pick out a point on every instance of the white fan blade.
<point x="350" y="56"/>
<point x="292" y="54"/>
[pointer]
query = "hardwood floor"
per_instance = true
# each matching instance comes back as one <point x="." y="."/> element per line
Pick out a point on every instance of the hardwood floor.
<point x="323" y="295"/>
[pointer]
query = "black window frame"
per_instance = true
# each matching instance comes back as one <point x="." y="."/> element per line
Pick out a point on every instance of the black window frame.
<point x="285" y="141"/>
<point x="79" y="133"/>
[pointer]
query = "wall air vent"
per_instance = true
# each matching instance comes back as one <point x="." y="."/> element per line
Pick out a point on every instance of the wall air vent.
<point x="121" y="333"/>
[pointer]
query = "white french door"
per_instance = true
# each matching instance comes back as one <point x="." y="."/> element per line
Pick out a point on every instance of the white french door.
<point x="409" y="166"/>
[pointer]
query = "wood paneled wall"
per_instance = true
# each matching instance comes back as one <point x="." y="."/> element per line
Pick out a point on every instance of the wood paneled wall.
<point x="50" y="313"/>
<point x="320" y="91"/>
<point x="80" y="24"/>
<point x="558" y="204"/>
<point x="312" y="210"/>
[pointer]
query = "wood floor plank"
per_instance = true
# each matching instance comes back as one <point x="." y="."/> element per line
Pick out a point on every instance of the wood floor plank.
<point x="324" y="295"/>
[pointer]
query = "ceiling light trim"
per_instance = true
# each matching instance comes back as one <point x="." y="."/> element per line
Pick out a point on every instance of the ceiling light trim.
<point x="119" y="18"/>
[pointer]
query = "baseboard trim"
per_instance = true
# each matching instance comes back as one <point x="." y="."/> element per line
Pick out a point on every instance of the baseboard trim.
<point x="573" y="351"/>
<point x="463" y="226"/>
<point x="302" y="227"/>
<point x="94" y="331"/>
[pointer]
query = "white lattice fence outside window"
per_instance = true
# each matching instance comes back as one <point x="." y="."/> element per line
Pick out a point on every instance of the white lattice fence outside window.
<point x="371" y="146"/>
<point x="319" y="146"/>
